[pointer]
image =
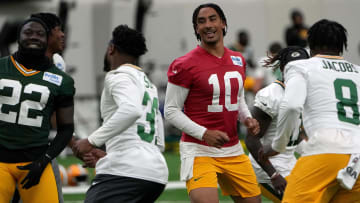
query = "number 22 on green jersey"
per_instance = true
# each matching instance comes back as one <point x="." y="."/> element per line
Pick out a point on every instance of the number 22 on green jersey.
<point x="11" y="91"/>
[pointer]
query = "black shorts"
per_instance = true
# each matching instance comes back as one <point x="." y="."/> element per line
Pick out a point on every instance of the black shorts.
<point x="111" y="188"/>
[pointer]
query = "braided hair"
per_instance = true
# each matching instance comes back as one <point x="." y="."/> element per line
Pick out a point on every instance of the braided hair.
<point x="286" y="55"/>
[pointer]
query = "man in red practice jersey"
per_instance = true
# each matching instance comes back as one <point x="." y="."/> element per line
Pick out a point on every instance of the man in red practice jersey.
<point x="208" y="83"/>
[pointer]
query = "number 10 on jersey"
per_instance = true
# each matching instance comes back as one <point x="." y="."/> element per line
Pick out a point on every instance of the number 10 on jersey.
<point x="214" y="81"/>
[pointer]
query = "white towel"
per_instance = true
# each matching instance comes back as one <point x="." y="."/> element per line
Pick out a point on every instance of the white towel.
<point x="186" y="168"/>
<point x="348" y="175"/>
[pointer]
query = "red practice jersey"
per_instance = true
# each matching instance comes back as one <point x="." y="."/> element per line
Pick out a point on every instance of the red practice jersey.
<point x="214" y="87"/>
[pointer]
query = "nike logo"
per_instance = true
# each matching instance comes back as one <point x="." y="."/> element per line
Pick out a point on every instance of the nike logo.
<point x="196" y="179"/>
<point x="265" y="104"/>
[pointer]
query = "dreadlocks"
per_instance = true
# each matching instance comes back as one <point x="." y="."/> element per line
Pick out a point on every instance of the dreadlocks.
<point x="286" y="55"/>
<point x="129" y="41"/>
<point x="328" y="35"/>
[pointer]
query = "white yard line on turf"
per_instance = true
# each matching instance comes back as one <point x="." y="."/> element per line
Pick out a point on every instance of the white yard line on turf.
<point x="82" y="189"/>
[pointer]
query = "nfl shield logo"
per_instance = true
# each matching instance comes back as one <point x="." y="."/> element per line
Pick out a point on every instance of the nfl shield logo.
<point x="237" y="60"/>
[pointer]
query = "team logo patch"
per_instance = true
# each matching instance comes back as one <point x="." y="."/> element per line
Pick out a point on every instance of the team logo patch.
<point x="295" y="54"/>
<point x="53" y="78"/>
<point x="237" y="60"/>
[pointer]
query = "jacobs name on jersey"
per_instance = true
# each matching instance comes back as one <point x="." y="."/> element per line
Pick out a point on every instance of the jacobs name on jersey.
<point x="339" y="66"/>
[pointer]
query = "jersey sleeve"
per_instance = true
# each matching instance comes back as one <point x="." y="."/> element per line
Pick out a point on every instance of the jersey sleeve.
<point x="291" y="106"/>
<point x="122" y="88"/>
<point x="265" y="101"/>
<point x="65" y="94"/>
<point x="294" y="69"/>
<point x="66" y="91"/>
<point x="243" y="108"/>
<point x="67" y="87"/>
<point x="179" y="74"/>
<point x="174" y="102"/>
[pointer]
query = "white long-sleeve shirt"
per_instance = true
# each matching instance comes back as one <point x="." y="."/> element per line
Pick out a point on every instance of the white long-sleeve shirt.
<point x="326" y="89"/>
<point x="132" y="127"/>
<point x="174" y="102"/>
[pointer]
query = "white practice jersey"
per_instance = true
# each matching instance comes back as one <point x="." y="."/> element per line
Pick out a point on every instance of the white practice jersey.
<point x="329" y="95"/>
<point x="132" y="129"/>
<point x="268" y="100"/>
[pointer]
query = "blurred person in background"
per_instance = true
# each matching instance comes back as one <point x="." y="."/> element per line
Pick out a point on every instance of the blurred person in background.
<point x="242" y="45"/>
<point x="296" y="34"/>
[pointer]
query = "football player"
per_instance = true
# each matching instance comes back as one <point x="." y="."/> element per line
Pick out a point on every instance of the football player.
<point x="271" y="172"/>
<point x="325" y="89"/>
<point x="56" y="45"/>
<point x="32" y="88"/>
<point x="133" y="170"/>
<point x="208" y="83"/>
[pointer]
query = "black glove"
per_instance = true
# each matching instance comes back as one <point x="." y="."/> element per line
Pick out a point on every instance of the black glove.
<point x="279" y="183"/>
<point x="36" y="169"/>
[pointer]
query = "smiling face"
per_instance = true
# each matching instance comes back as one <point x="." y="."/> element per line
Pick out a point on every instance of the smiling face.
<point x="33" y="36"/>
<point x="56" y="40"/>
<point x="209" y="26"/>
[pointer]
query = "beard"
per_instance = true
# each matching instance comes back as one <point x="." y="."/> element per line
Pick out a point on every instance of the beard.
<point x="107" y="67"/>
<point x="32" y="58"/>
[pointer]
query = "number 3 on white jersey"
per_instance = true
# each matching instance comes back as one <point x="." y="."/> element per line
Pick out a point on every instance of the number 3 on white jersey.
<point x="14" y="99"/>
<point x="214" y="81"/>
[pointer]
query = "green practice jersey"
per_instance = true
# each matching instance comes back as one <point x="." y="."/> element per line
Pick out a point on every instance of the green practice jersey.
<point x="27" y="100"/>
